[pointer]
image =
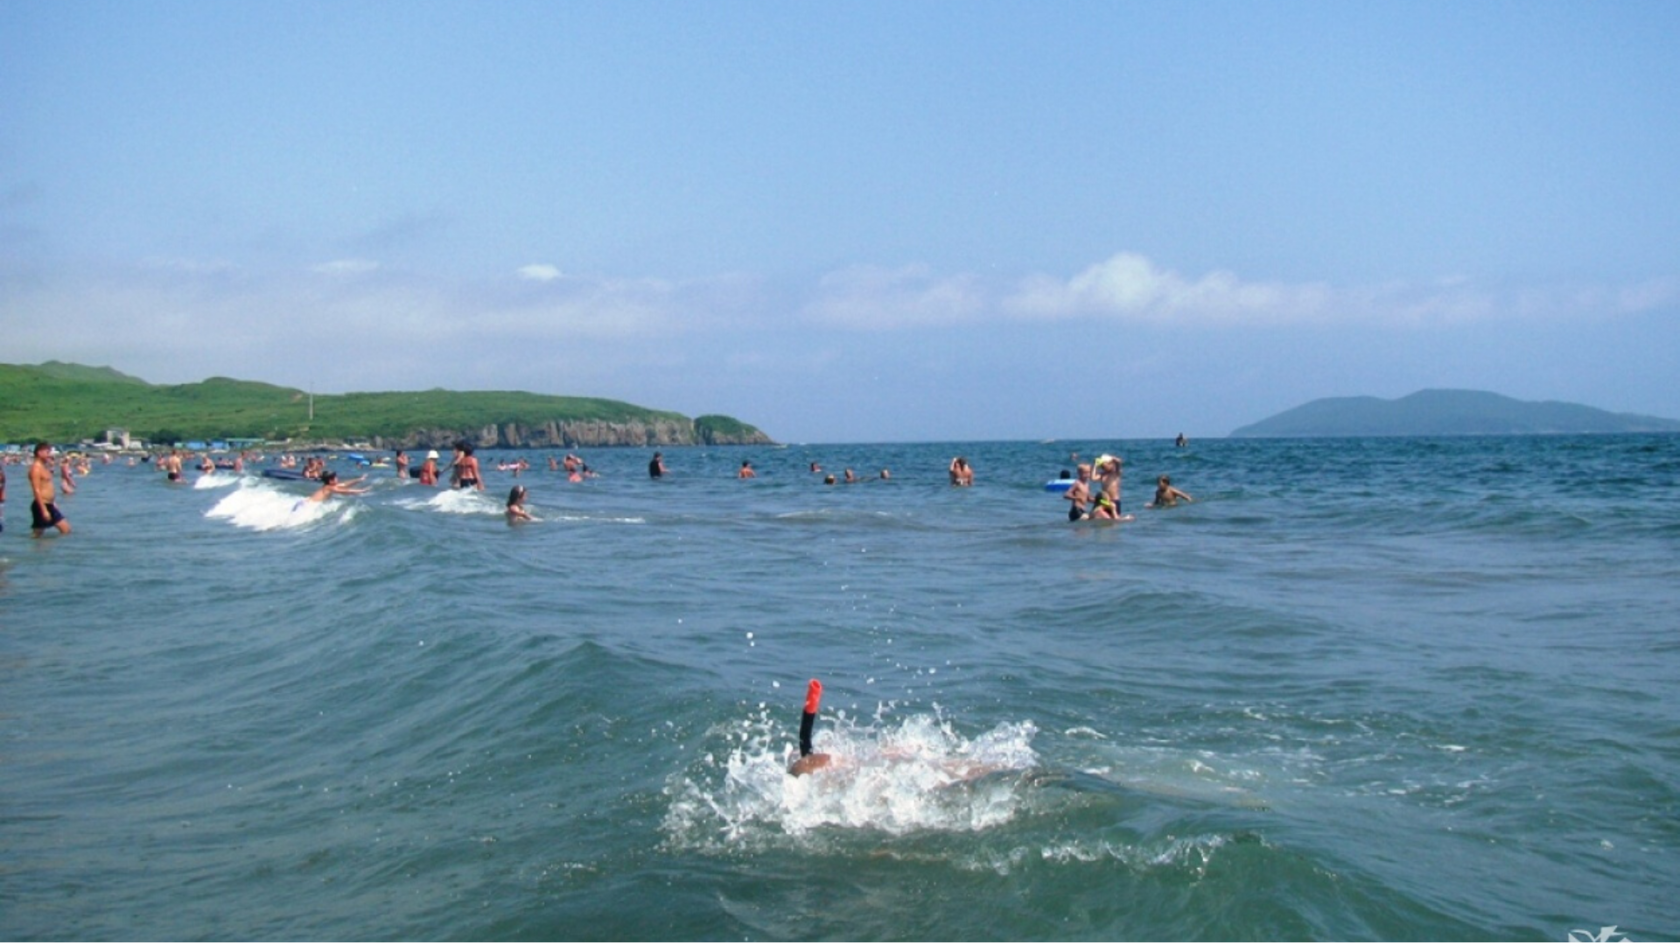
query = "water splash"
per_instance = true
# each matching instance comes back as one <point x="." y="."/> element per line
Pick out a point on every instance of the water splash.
<point x="917" y="775"/>
<point x="260" y="507"/>
<point x="455" y="502"/>
<point x="219" y="480"/>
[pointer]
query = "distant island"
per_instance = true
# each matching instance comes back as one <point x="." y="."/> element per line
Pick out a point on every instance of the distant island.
<point x="1448" y="413"/>
<point x="69" y="403"/>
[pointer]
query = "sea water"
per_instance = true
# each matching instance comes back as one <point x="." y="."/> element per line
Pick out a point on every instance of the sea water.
<point x="1366" y="689"/>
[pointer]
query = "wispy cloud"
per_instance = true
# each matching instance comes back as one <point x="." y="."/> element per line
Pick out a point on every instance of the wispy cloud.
<point x="539" y="272"/>
<point x="163" y="317"/>
<point x="874" y="297"/>
<point x="1131" y="288"/>
<point x="228" y="319"/>
<point x="347" y="267"/>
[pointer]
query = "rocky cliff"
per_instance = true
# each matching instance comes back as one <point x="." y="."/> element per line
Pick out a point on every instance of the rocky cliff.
<point x="578" y="433"/>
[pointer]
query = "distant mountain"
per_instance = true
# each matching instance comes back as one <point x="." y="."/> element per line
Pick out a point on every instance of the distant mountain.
<point x="1448" y="413"/>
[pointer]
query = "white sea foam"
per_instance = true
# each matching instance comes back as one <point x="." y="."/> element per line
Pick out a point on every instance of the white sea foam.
<point x="1173" y="772"/>
<point x="455" y="502"/>
<point x="262" y="507"/>
<point x="218" y="480"/>
<point x="917" y="775"/>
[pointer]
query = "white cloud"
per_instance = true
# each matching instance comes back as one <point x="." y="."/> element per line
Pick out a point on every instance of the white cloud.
<point x="161" y="318"/>
<point x="868" y="297"/>
<point x="1129" y="286"/>
<point x="539" y="272"/>
<point x="346" y="267"/>
<point x="1649" y="295"/>
<point x="172" y="322"/>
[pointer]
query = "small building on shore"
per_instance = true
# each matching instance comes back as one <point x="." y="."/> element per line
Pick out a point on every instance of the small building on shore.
<point x="118" y="439"/>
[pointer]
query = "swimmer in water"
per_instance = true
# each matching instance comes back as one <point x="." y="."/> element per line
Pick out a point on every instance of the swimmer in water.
<point x="1166" y="496"/>
<point x="330" y="486"/>
<point x="809" y="761"/>
<point x="465" y="470"/>
<point x="516" y="506"/>
<point x="1107" y="471"/>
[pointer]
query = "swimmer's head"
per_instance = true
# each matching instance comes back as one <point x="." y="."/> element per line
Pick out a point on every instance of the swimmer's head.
<point x="328" y="478"/>
<point x="516" y="496"/>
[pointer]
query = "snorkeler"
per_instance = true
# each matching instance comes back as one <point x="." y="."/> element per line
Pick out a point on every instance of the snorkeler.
<point x="809" y="761"/>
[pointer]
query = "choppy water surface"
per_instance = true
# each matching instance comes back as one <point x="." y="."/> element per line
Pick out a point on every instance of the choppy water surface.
<point x="1387" y="689"/>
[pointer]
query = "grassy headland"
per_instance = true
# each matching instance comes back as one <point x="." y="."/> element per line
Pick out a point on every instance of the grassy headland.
<point x="65" y="403"/>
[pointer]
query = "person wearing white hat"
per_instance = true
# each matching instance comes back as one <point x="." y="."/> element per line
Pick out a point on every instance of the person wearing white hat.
<point x="1108" y="501"/>
<point x="429" y="470"/>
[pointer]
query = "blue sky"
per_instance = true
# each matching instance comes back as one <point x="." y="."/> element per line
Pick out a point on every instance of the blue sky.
<point x="854" y="221"/>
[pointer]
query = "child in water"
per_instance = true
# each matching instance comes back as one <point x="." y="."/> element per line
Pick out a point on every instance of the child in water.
<point x="1166" y="496"/>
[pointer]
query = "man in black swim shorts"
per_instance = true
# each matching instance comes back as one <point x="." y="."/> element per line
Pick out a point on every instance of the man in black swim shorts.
<point x="44" y="513"/>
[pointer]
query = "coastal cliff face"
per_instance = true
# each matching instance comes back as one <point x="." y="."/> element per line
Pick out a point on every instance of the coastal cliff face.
<point x="580" y="433"/>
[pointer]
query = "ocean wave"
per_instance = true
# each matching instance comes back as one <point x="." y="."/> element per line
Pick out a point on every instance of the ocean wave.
<point x="261" y="507"/>
<point x="218" y="480"/>
<point x="454" y="502"/>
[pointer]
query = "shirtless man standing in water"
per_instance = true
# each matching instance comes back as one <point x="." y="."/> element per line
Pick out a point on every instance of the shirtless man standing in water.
<point x="46" y="515"/>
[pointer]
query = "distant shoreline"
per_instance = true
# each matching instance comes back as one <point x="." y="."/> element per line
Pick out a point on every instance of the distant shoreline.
<point x="73" y="403"/>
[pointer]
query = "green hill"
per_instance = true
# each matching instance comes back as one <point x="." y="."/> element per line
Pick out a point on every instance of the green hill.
<point x="1447" y="413"/>
<point x="67" y="403"/>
